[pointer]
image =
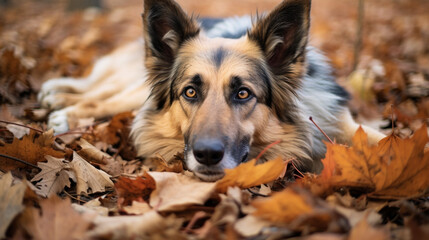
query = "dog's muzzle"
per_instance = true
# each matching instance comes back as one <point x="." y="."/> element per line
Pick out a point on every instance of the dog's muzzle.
<point x="209" y="157"/>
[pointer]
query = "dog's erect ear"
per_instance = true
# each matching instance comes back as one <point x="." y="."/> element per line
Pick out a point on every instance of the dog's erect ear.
<point x="166" y="27"/>
<point x="282" y="34"/>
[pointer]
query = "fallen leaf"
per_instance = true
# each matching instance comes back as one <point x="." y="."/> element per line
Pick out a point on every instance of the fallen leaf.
<point x="31" y="148"/>
<point x="18" y="131"/>
<point x="418" y="231"/>
<point x="110" y="133"/>
<point x="363" y="230"/>
<point x="137" y="208"/>
<point x="10" y="201"/>
<point x="147" y="226"/>
<point x="88" y="178"/>
<point x="282" y="207"/>
<point x="299" y="210"/>
<point x="54" y="221"/>
<point x="176" y="192"/>
<point x="396" y="168"/>
<point x="138" y="189"/>
<point x="55" y="175"/>
<point x="261" y="173"/>
<point x="95" y="156"/>
<point x="14" y="72"/>
<point x="92" y="207"/>
<point x="250" y="225"/>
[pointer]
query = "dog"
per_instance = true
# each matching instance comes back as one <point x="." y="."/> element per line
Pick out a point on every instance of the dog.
<point x="219" y="90"/>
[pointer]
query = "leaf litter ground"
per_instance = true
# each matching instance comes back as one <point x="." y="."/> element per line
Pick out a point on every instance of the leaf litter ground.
<point x="106" y="192"/>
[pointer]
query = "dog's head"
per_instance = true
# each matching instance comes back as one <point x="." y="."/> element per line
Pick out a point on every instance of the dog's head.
<point x="220" y="94"/>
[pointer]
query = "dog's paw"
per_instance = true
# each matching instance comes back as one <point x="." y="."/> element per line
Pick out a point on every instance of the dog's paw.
<point x="54" y="86"/>
<point x="53" y="101"/>
<point x="58" y="121"/>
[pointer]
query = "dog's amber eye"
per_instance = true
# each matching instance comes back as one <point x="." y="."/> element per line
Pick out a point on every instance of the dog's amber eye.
<point x="190" y="93"/>
<point x="243" y="94"/>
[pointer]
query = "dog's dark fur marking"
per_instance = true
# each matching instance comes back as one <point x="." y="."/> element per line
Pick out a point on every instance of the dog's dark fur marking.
<point x="235" y="83"/>
<point x="196" y="80"/>
<point x="219" y="55"/>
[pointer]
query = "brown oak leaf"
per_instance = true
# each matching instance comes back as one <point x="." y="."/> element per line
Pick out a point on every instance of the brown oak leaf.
<point x="95" y="156"/>
<point x="88" y="178"/>
<point x="31" y="148"/>
<point x="55" y="175"/>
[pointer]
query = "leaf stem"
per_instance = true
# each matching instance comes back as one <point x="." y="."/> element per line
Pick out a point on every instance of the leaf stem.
<point x="327" y="137"/>
<point x="22" y="125"/>
<point x="267" y="148"/>
<point x="19" y="160"/>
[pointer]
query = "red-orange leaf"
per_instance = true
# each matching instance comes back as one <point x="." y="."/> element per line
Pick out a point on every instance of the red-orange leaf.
<point x="138" y="189"/>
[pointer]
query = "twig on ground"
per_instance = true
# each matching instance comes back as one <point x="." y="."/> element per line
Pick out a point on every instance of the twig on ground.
<point x="19" y="160"/>
<point x="22" y="125"/>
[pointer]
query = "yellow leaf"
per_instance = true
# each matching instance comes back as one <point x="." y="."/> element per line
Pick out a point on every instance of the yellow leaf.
<point x="282" y="207"/>
<point x="299" y="210"/>
<point x="249" y="174"/>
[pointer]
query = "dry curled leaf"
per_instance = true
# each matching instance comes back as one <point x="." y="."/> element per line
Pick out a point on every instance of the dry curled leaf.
<point x="261" y="173"/>
<point x="177" y="191"/>
<point x="88" y="178"/>
<point x="95" y="156"/>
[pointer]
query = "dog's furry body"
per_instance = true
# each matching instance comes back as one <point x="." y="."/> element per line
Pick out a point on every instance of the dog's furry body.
<point x="220" y="91"/>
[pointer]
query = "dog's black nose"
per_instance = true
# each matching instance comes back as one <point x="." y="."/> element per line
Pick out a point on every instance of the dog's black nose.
<point x="208" y="151"/>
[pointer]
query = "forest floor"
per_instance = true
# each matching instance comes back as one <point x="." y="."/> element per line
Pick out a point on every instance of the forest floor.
<point x="105" y="191"/>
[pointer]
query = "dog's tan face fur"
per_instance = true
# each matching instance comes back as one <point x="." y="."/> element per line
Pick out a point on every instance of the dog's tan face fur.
<point x="222" y="100"/>
<point x="229" y="102"/>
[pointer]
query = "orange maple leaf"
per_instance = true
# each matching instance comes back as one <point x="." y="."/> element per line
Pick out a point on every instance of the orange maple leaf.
<point x="395" y="168"/>
<point x="249" y="174"/>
